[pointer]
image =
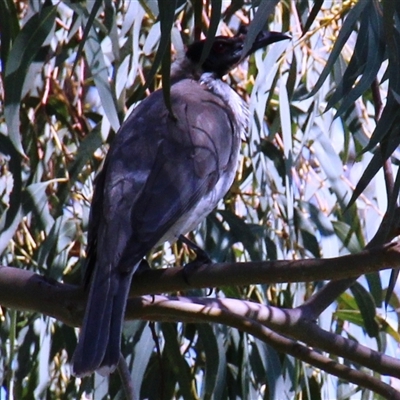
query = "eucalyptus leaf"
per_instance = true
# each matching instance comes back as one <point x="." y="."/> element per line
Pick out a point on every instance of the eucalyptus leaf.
<point x="25" y="47"/>
<point x="367" y="308"/>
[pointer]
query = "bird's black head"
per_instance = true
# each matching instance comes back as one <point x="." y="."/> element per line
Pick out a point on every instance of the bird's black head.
<point x="226" y="52"/>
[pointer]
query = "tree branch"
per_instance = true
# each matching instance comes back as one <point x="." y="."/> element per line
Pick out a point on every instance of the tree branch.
<point x="25" y="290"/>
<point x="247" y="317"/>
<point x="388" y="230"/>
<point x="284" y="321"/>
<point x="247" y="273"/>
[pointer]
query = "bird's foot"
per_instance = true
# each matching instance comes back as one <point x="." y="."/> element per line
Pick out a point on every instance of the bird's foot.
<point x="201" y="259"/>
<point x="143" y="265"/>
<point x="201" y="256"/>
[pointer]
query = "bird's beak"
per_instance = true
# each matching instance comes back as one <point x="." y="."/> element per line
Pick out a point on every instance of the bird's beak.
<point x="263" y="39"/>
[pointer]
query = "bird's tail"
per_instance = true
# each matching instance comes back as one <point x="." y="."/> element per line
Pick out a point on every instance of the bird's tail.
<point x="99" y="343"/>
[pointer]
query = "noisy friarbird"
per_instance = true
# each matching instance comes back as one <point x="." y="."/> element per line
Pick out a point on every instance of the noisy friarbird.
<point x="162" y="176"/>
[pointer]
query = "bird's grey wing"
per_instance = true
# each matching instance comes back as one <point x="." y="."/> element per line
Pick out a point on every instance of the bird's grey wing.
<point x="194" y="149"/>
<point x="94" y="221"/>
<point x="118" y="186"/>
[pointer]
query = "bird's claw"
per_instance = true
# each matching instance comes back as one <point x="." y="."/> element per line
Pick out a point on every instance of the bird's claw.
<point x="202" y="258"/>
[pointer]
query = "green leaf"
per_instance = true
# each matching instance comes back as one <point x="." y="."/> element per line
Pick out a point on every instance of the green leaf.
<point x="36" y="201"/>
<point x="344" y="34"/>
<point x="390" y="327"/>
<point x="313" y="14"/>
<point x="140" y="358"/>
<point x="167" y="13"/>
<point x="266" y="360"/>
<point x="375" y="287"/>
<point x="369" y="54"/>
<point x="333" y="168"/>
<point x="367" y="308"/>
<point x="241" y="232"/>
<point x="352" y="316"/>
<point x="100" y="386"/>
<point x="310" y="243"/>
<point x="218" y="240"/>
<point x="50" y="253"/>
<point x="94" y="55"/>
<point x="292" y="77"/>
<point x="394" y="274"/>
<point x="389" y="120"/>
<point x="99" y="70"/>
<point x="215" y="361"/>
<point x="232" y="292"/>
<point x="84" y="154"/>
<point x="27" y="44"/>
<point x="275" y="155"/>
<point x="321" y="221"/>
<point x="346" y="301"/>
<point x="9" y="28"/>
<point x="89" y="21"/>
<point x="163" y="55"/>
<point x="264" y="10"/>
<point x="10" y="219"/>
<point x="212" y="29"/>
<point x="381" y="155"/>
<point x="177" y="362"/>
<point x="347" y="235"/>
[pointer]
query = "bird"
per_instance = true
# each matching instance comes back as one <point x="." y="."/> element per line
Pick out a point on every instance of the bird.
<point x="163" y="174"/>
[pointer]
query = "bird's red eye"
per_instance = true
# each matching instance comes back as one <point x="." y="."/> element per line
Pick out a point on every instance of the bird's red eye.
<point x="218" y="47"/>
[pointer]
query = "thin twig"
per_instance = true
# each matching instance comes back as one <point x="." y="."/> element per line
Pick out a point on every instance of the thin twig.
<point x="159" y="356"/>
<point x="126" y="379"/>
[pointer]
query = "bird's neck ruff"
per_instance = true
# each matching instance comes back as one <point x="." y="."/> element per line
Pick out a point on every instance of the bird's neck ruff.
<point x="183" y="68"/>
<point x="229" y="97"/>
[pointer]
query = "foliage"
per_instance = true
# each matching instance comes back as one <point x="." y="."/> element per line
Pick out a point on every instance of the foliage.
<point x="309" y="184"/>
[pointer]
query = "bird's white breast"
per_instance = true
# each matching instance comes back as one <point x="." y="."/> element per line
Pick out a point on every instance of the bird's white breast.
<point x="191" y="219"/>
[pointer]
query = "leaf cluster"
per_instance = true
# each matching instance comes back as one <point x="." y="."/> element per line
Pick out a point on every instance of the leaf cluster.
<point x="317" y="178"/>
